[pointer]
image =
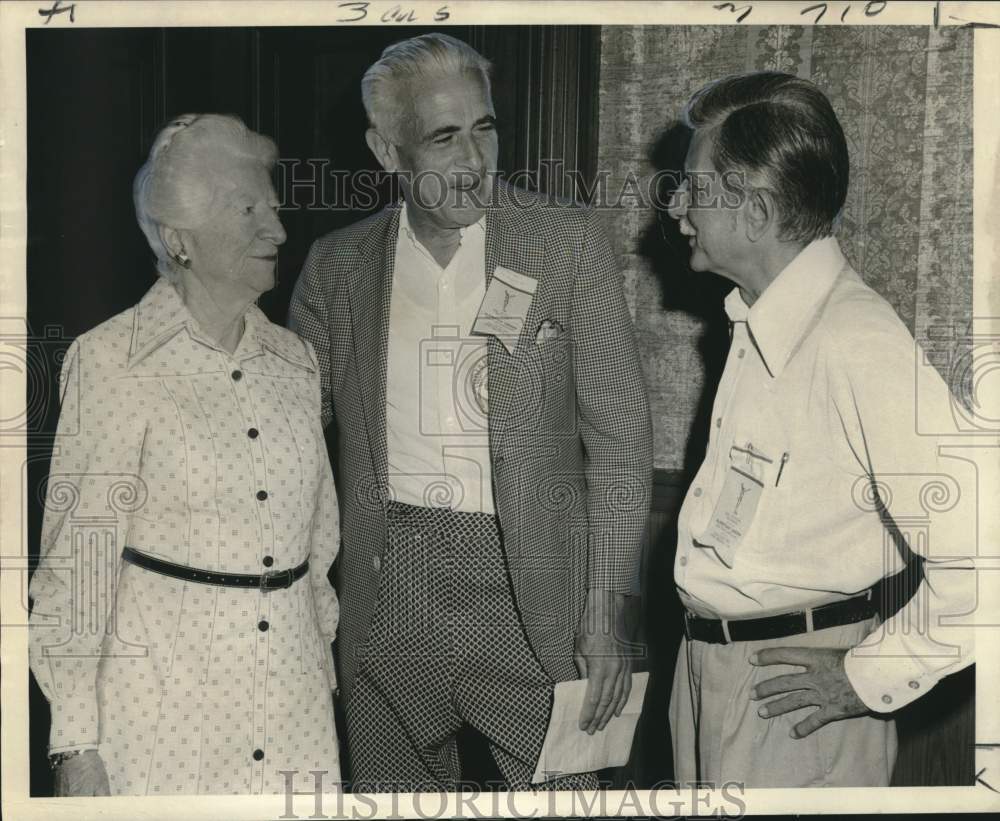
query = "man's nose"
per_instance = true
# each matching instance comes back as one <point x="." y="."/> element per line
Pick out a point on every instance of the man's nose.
<point x="472" y="155"/>
<point x="679" y="202"/>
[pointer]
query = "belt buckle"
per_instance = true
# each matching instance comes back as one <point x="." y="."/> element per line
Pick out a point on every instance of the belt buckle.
<point x="285" y="577"/>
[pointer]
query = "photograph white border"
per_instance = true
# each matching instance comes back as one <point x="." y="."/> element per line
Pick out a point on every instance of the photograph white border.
<point x="15" y="17"/>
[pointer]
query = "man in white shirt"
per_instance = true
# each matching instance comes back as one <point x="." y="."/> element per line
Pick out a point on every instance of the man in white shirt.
<point x="494" y="441"/>
<point x="787" y="540"/>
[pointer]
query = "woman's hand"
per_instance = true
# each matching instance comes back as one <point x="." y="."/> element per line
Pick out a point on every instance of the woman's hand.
<point x="83" y="774"/>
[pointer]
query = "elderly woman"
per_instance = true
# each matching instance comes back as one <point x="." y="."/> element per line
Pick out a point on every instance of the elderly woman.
<point x="182" y="613"/>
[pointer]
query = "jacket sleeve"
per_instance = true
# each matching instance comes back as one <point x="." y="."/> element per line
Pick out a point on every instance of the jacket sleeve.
<point x="614" y="416"/>
<point x="93" y="486"/>
<point x="308" y="317"/>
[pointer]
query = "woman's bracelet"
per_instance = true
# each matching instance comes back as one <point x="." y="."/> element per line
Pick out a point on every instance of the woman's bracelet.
<point x="58" y="758"/>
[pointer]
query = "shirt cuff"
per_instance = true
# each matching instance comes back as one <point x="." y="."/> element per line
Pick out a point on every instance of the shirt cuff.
<point x="74" y="726"/>
<point x="886" y="684"/>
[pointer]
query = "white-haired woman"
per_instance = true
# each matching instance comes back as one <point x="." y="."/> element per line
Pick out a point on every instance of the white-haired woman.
<point x="182" y="615"/>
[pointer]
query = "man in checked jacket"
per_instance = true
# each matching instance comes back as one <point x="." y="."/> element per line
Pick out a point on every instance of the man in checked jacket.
<point x="494" y="441"/>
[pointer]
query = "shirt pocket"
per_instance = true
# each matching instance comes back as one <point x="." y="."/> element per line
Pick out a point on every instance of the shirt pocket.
<point x="760" y="448"/>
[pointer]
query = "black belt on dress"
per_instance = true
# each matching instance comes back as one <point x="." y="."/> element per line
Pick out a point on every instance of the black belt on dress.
<point x="849" y="611"/>
<point x="272" y="580"/>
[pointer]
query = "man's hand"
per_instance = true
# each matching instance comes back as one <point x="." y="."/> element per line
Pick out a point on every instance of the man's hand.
<point x="83" y="774"/>
<point x="824" y="684"/>
<point x="601" y="658"/>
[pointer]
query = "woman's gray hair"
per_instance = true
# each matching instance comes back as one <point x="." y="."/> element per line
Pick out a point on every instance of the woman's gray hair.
<point x="173" y="189"/>
<point x="428" y="56"/>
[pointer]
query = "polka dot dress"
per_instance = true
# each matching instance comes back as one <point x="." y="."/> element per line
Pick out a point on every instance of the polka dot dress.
<point x="172" y="446"/>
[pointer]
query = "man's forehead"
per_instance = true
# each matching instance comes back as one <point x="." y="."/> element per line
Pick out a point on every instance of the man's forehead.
<point x="699" y="153"/>
<point x="435" y="101"/>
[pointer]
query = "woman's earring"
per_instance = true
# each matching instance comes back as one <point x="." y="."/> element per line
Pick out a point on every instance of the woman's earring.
<point x="182" y="259"/>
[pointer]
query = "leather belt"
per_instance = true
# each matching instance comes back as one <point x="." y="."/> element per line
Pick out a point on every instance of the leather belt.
<point x="272" y="580"/>
<point x="849" y="611"/>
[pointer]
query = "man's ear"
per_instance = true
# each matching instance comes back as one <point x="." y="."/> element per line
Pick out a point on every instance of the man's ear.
<point x="384" y="151"/>
<point x="761" y="213"/>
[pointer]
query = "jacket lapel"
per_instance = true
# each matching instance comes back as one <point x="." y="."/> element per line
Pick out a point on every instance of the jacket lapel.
<point x="511" y="245"/>
<point x="370" y="290"/>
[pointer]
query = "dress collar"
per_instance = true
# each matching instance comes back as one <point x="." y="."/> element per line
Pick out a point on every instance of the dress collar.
<point x="161" y="314"/>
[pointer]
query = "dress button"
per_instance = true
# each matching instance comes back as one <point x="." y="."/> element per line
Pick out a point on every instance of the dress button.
<point x="268" y="561"/>
<point x="718" y="422"/>
<point x="697" y="491"/>
<point x="914" y="685"/>
<point x="258" y="755"/>
<point x="262" y="625"/>
<point x="253" y="433"/>
<point x="376" y="563"/>
<point x="237" y="375"/>
<point x="684" y="560"/>
<point x="741" y="353"/>
<point x="887" y="699"/>
<point x="261" y="495"/>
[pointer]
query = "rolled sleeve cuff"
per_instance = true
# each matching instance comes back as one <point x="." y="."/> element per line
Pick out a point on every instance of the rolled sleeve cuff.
<point x="74" y="726"/>
<point x="885" y="685"/>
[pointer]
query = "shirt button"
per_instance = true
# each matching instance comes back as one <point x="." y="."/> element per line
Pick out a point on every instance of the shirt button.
<point x="237" y="375"/>
<point x="258" y="755"/>
<point x="887" y="699"/>
<point x="914" y="685"/>
<point x="253" y="433"/>
<point x="262" y="625"/>
<point x="741" y="353"/>
<point x="376" y="563"/>
<point x="697" y="491"/>
<point x="268" y="561"/>
<point x="684" y="560"/>
<point x="261" y="495"/>
<point x="718" y="422"/>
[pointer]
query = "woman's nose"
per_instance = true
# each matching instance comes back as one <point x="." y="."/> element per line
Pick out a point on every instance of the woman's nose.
<point x="272" y="230"/>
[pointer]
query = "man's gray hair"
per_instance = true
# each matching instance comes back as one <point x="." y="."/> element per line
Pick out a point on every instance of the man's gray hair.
<point x="175" y="188"/>
<point x="428" y="56"/>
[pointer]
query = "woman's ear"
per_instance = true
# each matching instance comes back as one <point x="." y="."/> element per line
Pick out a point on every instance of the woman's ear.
<point x="171" y="239"/>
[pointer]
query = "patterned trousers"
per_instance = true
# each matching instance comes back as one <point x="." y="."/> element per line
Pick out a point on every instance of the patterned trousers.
<point x="446" y="646"/>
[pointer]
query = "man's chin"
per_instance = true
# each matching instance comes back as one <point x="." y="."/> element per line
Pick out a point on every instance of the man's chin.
<point x="465" y="216"/>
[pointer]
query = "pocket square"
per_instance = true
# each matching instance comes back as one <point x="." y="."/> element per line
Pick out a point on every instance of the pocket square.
<point x="547" y="331"/>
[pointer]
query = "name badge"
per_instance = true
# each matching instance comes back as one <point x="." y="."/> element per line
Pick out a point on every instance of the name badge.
<point x="733" y="513"/>
<point x="505" y="306"/>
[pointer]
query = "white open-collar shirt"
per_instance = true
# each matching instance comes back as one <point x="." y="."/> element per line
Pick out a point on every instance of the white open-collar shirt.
<point x="824" y="383"/>
<point x="436" y="389"/>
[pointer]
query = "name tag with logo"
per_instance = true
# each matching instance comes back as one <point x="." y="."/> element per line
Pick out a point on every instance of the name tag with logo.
<point x="733" y="514"/>
<point x="505" y="306"/>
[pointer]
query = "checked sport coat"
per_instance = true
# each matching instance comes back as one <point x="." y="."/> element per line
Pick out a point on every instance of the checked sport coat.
<point x="568" y="421"/>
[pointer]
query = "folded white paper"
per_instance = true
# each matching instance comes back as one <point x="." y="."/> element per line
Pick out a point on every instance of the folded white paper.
<point x="567" y="749"/>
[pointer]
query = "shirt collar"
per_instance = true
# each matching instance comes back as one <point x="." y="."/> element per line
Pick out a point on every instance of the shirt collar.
<point x="161" y="314"/>
<point x="406" y="230"/>
<point x="782" y="315"/>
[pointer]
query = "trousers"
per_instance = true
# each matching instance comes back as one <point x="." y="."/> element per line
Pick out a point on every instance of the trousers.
<point x="718" y="737"/>
<point x="446" y="647"/>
